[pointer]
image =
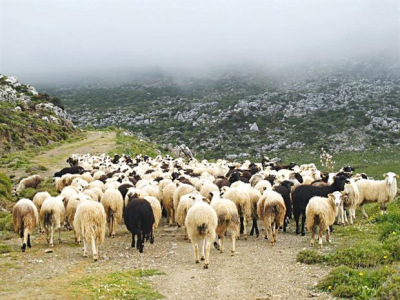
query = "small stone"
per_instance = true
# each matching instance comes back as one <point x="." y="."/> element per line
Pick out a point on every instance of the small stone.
<point x="48" y="251"/>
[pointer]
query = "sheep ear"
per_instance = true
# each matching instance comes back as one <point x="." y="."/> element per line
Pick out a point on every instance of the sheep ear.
<point x="397" y="176"/>
<point x="384" y="175"/>
<point x="264" y="188"/>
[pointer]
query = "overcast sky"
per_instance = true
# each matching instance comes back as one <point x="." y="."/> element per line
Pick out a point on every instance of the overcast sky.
<point x="51" y="38"/>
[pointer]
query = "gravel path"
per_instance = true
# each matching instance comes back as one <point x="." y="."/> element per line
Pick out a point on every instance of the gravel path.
<point x="257" y="271"/>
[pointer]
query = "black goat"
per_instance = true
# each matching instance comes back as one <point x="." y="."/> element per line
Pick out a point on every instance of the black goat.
<point x="303" y="193"/>
<point x="71" y="170"/>
<point x="139" y="219"/>
<point x="284" y="189"/>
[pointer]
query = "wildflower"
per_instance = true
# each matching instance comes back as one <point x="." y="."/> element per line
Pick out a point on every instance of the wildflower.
<point x="361" y="273"/>
<point x="329" y="287"/>
<point x="385" y="257"/>
<point x="394" y="232"/>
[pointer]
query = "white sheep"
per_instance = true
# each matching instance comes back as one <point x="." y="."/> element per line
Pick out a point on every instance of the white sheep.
<point x="29" y="182"/>
<point x="380" y="191"/>
<point x="90" y="224"/>
<point x="70" y="210"/>
<point x="351" y="198"/>
<point x="322" y="212"/>
<point x="262" y="185"/>
<point x="38" y="200"/>
<point x="184" y="205"/>
<point x="201" y="223"/>
<point x="181" y="190"/>
<point x="228" y="218"/>
<point x="207" y="188"/>
<point x="52" y="215"/>
<point x="271" y="210"/>
<point x="157" y="210"/>
<point x="25" y="218"/>
<point x="168" y="202"/>
<point x="63" y="182"/>
<point x="240" y="196"/>
<point x="113" y="205"/>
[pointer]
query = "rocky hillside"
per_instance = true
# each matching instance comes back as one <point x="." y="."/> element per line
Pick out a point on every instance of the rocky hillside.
<point x="29" y="118"/>
<point x="348" y="105"/>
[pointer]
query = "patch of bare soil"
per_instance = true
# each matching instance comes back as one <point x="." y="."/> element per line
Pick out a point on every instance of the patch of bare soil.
<point x="257" y="271"/>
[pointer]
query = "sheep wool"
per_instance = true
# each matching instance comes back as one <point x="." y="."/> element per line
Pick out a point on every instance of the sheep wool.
<point x="25" y="218"/>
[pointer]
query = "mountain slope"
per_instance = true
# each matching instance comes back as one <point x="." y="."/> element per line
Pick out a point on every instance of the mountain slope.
<point x="29" y="118"/>
<point x="349" y="105"/>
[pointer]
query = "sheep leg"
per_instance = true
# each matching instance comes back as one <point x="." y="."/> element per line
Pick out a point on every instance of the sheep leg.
<point x="242" y="227"/>
<point x="171" y="216"/>
<point x="328" y="235"/>
<point x="207" y="261"/>
<point x="275" y="231"/>
<point x="303" y="222"/>
<point x="363" y="211"/>
<point x="59" y="235"/>
<point x="94" y="249"/>
<point x="312" y="235"/>
<point x="296" y="218"/>
<point x="351" y="216"/>
<point x="133" y="241"/>
<point x="24" y="239"/>
<point x="29" y="241"/>
<point x="52" y="236"/>
<point x="245" y="228"/>
<point x="139" y="240"/>
<point x="383" y="208"/>
<point x="203" y="242"/>
<point x="112" y="226"/>
<point x="151" y="237"/>
<point x="269" y="229"/>
<point x="48" y="235"/>
<point x="84" y="247"/>
<point x="186" y="235"/>
<point x="196" y="252"/>
<point x="221" y="242"/>
<point x="233" y="243"/>
<point x="320" y="232"/>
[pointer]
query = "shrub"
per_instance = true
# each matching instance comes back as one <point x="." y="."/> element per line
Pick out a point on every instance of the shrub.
<point x="6" y="222"/>
<point x="28" y="193"/>
<point x="5" y="186"/>
<point x="309" y="257"/>
<point x="350" y="283"/>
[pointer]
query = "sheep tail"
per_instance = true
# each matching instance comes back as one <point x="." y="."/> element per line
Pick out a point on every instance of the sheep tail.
<point x="316" y="219"/>
<point x="21" y="233"/>
<point x="275" y="210"/>
<point x="47" y="218"/>
<point x="202" y="229"/>
<point x="235" y="219"/>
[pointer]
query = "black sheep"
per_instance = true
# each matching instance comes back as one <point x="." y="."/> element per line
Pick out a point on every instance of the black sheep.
<point x="139" y="220"/>
<point x="303" y="193"/>
<point x="123" y="189"/>
<point x="284" y="189"/>
<point x="71" y="170"/>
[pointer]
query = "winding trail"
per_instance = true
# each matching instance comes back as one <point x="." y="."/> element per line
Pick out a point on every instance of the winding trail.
<point x="96" y="142"/>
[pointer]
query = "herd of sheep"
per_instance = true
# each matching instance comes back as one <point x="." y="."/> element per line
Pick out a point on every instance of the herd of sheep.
<point x="209" y="200"/>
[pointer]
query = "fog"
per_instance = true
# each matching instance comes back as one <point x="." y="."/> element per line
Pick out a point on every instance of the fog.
<point x="52" y="40"/>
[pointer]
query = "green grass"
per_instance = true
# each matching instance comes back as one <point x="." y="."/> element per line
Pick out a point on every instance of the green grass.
<point x="367" y="257"/>
<point x="117" y="285"/>
<point x="132" y="145"/>
<point x="5" y="249"/>
<point x="6" y="222"/>
<point x="5" y="187"/>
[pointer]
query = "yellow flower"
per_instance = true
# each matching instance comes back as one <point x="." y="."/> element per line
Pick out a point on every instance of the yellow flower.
<point x="385" y="257"/>
<point x="361" y="273"/>
<point x="394" y="232"/>
<point x="329" y="287"/>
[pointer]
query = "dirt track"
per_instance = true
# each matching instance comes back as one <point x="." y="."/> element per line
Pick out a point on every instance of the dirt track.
<point x="257" y="271"/>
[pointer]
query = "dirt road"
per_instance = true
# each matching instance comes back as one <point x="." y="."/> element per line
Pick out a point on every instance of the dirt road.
<point x="96" y="142"/>
<point x="257" y="271"/>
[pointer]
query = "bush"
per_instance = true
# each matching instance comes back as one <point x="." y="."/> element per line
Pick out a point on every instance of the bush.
<point x="390" y="290"/>
<point x="28" y="193"/>
<point x="5" y="187"/>
<point x="364" y="255"/>
<point x="350" y="283"/>
<point x="6" y="222"/>
<point x="5" y="248"/>
<point x="309" y="257"/>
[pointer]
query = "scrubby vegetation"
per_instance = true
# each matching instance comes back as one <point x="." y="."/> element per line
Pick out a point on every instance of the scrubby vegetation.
<point x="367" y="257"/>
<point x="118" y="285"/>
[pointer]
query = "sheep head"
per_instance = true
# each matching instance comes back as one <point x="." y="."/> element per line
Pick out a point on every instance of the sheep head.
<point x="390" y="177"/>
